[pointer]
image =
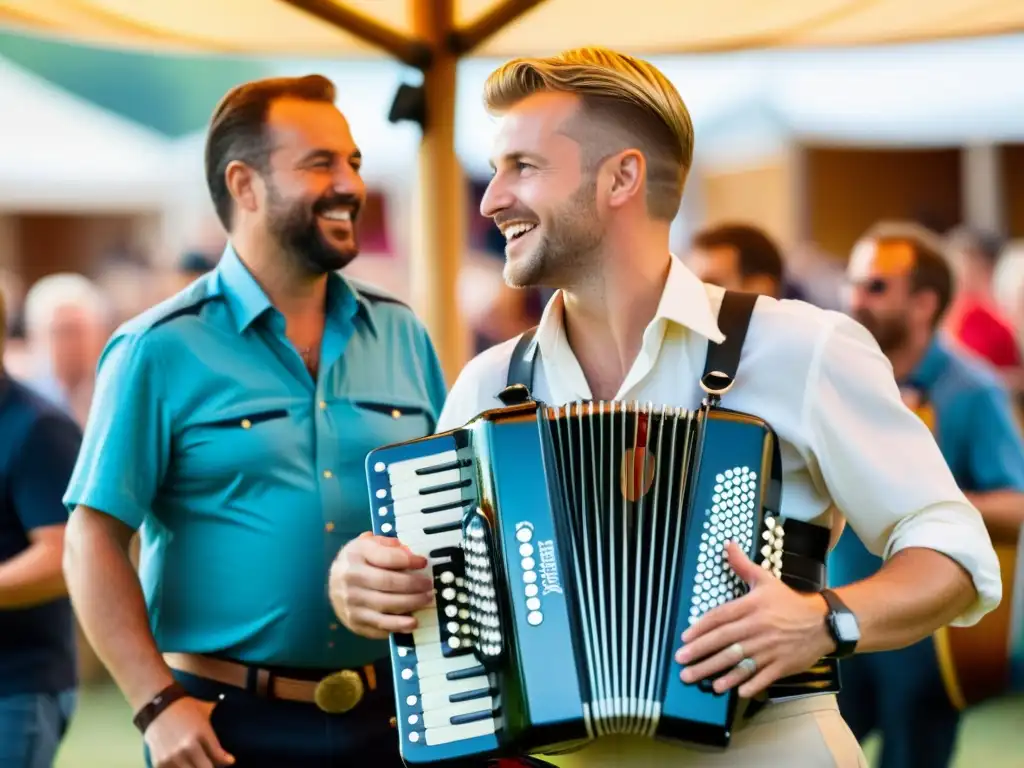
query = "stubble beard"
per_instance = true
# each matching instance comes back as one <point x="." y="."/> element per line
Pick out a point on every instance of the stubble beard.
<point x="565" y="254"/>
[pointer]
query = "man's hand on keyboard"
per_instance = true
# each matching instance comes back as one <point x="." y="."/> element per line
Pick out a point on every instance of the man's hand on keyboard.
<point x="373" y="588"/>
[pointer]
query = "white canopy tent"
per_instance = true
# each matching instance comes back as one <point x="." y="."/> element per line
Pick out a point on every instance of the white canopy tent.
<point x="58" y="151"/>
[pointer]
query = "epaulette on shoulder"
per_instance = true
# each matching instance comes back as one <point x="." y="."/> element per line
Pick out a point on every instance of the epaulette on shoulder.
<point x="185" y="303"/>
<point x="376" y="295"/>
<point x="183" y="311"/>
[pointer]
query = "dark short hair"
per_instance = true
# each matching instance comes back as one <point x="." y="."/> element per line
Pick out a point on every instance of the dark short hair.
<point x="237" y="129"/>
<point x="931" y="270"/>
<point x="757" y="253"/>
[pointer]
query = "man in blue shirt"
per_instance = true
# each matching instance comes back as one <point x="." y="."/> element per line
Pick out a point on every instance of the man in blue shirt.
<point x="230" y="425"/>
<point x="38" y="446"/>
<point x="900" y="288"/>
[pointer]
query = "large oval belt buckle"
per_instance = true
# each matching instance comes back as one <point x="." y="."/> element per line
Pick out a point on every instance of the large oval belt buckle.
<point x="339" y="692"/>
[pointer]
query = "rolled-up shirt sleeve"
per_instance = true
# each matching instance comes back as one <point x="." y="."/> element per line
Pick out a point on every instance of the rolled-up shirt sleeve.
<point x="882" y="466"/>
<point x="126" y="445"/>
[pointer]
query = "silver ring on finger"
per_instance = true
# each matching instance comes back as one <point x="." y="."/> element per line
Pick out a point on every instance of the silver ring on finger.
<point x="748" y="665"/>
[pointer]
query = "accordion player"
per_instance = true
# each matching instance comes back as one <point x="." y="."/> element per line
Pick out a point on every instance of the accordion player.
<point x="570" y="547"/>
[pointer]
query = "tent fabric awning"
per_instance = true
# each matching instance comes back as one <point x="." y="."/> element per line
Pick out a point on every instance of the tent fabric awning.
<point x="278" y="27"/>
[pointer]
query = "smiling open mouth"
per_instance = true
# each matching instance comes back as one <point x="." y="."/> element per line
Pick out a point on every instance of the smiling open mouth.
<point x="515" y="231"/>
<point x="337" y="214"/>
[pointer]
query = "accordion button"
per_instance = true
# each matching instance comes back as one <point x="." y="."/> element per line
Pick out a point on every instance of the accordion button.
<point x="534" y="618"/>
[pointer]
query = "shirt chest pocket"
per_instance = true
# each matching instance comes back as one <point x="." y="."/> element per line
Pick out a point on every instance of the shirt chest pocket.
<point x="221" y="446"/>
<point x="382" y="420"/>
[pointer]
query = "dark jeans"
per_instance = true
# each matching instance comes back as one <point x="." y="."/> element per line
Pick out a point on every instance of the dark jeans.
<point x="270" y="733"/>
<point x="900" y="694"/>
<point x="32" y="726"/>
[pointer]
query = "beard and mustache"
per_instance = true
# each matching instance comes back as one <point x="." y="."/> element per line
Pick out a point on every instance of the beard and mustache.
<point x="295" y="225"/>
<point x="891" y="333"/>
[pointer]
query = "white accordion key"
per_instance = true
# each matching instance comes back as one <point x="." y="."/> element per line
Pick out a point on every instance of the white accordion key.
<point x="438" y="736"/>
<point x="429" y="666"/>
<point x="441" y="717"/>
<point x="415" y="484"/>
<point x="438" y="690"/>
<point x="402" y="470"/>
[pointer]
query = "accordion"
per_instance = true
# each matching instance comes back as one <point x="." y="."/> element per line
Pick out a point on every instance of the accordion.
<point x="570" y="547"/>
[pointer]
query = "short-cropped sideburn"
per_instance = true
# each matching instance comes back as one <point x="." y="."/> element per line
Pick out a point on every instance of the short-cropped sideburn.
<point x="628" y="95"/>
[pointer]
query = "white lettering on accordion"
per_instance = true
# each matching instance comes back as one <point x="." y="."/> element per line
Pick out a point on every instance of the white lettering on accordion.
<point x="548" y="568"/>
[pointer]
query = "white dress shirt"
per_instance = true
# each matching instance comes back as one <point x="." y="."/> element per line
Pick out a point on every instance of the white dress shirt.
<point x="820" y="380"/>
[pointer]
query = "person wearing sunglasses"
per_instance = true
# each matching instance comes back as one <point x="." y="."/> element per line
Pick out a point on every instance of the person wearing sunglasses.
<point x="900" y="287"/>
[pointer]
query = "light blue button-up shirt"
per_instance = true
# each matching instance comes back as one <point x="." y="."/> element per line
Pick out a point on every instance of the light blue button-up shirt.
<point x="246" y="475"/>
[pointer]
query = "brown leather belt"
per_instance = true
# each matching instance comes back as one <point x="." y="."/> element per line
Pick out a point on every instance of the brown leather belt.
<point x="338" y="692"/>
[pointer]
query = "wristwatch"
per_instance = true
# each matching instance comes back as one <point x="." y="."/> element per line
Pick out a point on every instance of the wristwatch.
<point x="842" y="625"/>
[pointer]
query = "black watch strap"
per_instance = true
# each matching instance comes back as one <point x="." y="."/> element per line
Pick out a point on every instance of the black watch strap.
<point x="158" y="704"/>
<point x="840" y="617"/>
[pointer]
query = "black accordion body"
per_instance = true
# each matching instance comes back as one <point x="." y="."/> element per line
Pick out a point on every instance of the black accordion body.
<point x="570" y="548"/>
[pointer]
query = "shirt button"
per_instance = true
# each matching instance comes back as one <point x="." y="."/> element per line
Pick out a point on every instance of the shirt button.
<point x="323" y="405"/>
<point x="329" y="527"/>
<point x="330" y="645"/>
<point x="328" y="474"/>
<point x="334" y="627"/>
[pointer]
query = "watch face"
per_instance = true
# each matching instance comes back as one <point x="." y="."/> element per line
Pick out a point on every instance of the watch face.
<point x="846" y="628"/>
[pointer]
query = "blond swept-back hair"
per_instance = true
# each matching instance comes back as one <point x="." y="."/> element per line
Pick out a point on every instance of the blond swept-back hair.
<point x="619" y="91"/>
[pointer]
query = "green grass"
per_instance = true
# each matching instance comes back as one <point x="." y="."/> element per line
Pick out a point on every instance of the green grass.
<point x="102" y="735"/>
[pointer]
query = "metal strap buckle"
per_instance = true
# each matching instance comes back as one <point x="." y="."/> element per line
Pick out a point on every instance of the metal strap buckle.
<point x="716" y="383"/>
<point x="340" y="692"/>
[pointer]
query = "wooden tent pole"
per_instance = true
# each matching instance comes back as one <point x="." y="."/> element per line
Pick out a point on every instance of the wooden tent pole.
<point x="439" y="233"/>
<point x="439" y="222"/>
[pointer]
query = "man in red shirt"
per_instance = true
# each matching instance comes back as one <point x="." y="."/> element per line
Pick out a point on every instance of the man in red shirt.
<point x="974" y="320"/>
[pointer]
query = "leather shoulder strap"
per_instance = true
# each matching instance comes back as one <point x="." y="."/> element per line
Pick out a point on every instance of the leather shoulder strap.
<point x="723" y="359"/>
<point x="521" y="366"/>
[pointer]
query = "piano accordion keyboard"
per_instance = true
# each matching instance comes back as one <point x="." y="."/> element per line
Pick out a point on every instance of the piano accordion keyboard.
<point x="446" y="696"/>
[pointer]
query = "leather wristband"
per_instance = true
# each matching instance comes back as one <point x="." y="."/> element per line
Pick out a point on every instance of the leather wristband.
<point x="158" y="704"/>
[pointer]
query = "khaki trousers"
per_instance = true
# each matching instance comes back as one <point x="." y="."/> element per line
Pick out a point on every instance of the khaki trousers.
<point x="805" y="733"/>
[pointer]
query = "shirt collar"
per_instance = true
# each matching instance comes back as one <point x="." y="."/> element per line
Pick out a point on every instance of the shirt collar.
<point x="248" y="301"/>
<point x="684" y="301"/>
